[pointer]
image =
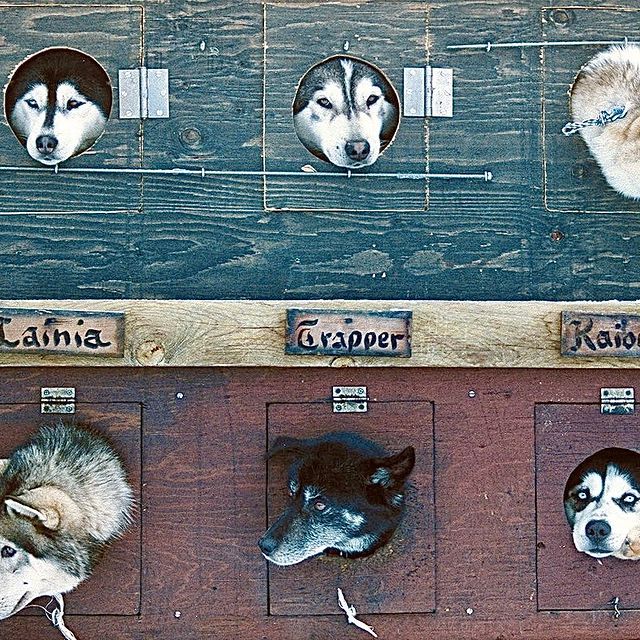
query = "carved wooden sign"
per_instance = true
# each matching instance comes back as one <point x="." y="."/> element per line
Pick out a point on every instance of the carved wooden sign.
<point x="355" y="333"/>
<point x="82" y="333"/>
<point x="596" y="334"/>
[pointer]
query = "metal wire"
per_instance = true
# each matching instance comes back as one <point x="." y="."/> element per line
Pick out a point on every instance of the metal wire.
<point x="488" y="46"/>
<point x="486" y="176"/>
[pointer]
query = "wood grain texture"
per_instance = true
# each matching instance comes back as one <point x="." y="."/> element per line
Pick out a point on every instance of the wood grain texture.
<point x="252" y="333"/>
<point x="113" y="36"/>
<point x="203" y="506"/>
<point x="211" y="238"/>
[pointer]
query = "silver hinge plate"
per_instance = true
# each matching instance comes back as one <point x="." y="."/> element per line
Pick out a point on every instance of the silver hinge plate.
<point x="617" y="400"/>
<point x="350" y="399"/>
<point x="58" y="400"/>
<point x="143" y="93"/>
<point x="428" y="91"/>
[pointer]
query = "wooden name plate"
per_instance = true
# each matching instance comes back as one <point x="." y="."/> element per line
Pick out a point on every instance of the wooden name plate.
<point x="62" y="332"/>
<point x="596" y="334"/>
<point x="355" y="333"/>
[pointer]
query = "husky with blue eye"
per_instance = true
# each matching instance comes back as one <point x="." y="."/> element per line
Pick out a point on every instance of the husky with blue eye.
<point x="602" y="504"/>
<point x="347" y="498"/>
<point x="346" y="112"/>
<point x="57" y="102"/>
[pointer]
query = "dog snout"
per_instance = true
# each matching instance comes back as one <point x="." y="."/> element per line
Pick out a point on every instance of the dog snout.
<point x="597" y="530"/>
<point x="357" y="149"/>
<point x="267" y="544"/>
<point x="46" y="144"/>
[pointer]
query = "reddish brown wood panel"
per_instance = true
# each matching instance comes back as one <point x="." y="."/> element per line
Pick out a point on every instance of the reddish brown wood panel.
<point x="565" y="436"/>
<point x="114" y="588"/>
<point x="203" y="501"/>
<point x="400" y="577"/>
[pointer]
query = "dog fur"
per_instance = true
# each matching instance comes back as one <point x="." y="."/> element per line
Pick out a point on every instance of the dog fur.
<point x="612" y="78"/>
<point x="346" y="112"/>
<point x="65" y="497"/>
<point x="57" y="103"/>
<point x="347" y="498"/>
<point x="602" y="504"/>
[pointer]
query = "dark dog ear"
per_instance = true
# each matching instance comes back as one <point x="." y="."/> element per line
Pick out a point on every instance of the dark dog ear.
<point x="287" y="445"/>
<point x="392" y="471"/>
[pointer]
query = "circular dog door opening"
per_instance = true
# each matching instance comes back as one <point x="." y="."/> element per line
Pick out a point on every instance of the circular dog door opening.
<point x="57" y="103"/>
<point x="602" y="504"/>
<point x="346" y="111"/>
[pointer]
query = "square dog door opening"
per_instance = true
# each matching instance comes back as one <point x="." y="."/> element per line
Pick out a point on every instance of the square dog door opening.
<point x="573" y="181"/>
<point x="566" y="435"/>
<point x="114" y="586"/>
<point x="399" y="577"/>
<point x="387" y="36"/>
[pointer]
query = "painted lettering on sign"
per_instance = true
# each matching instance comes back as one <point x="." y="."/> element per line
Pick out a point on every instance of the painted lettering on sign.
<point x="63" y="332"/>
<point x="370" y="333"/>
<point x="592" y="334"/>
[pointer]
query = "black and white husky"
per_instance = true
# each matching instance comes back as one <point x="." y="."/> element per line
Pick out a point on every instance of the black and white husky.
<point x="57" y="103"/>
<point x="64" y="497"/>
<point x="346" y="112"/>
<point x="347" y="498"/>
<point x="602" y="504"/>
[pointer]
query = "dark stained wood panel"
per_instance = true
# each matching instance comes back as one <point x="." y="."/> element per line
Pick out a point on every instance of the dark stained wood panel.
<point x="573" y="180"/>
<point x="400" y="577"/>
<point x="113" y="36"/>
<point x="122" y="564"/>
<point x="390" y="35"/>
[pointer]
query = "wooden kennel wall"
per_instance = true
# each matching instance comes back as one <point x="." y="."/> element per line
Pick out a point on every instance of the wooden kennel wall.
<point x="184" y="225"/>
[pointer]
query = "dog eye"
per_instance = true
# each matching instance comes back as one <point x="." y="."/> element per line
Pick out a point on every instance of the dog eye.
<point x="583" y="495"/>
<point x="74" y="104"/>
<point x="319" y="505"/>
<point x="372" y="99"/>
<point x="32" y="103"/>
<point x="323" y="102"/>
<point x="629" y="498"/>
<point x="8" y="552"/>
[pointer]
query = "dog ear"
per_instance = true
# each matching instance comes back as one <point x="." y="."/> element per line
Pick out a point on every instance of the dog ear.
<point x="393" y="471"/>
<point x="287" y="445"/>
<point x="47" y="516"/>
<point x="3" y="465"/>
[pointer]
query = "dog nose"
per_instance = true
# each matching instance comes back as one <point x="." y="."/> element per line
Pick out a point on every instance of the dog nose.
<point x="267" y="545"/>
<point x="357" y="149"/>
<point x="46" y="144"/>
<point x="597" y="530"/>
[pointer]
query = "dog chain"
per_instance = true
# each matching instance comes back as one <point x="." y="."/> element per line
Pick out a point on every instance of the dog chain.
<point x="56" y="617"/>
<point x="616" y="611"/>
<point x="604" y="117"/>
<point x="351" y="615"/>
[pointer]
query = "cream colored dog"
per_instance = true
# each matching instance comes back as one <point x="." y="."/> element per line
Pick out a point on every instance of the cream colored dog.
<point x="612" y="79"/>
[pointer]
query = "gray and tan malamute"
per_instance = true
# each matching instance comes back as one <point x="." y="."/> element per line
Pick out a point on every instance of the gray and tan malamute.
<point x="602" y="504"/>
<point x="611" y="80"/>
<point x="347" y="498"/>
<point x="346" y="112"/>
<point x="57" y="103"/>
<point x="65" y="497"/>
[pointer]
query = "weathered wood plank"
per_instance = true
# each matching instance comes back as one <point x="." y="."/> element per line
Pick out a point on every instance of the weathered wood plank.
<point x="245" y="333"/>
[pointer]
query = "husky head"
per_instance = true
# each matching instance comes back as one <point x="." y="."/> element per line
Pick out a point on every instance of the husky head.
<point x="36" y="559"/>
<point x="345" y="112"/>
<point x="602" y="504"/>
<point x="346" y="497"/>
<point x="57" y="103"/>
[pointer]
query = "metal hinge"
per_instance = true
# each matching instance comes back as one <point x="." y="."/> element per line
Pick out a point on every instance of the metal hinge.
<point x="350" y="399"/>
<point x="617" y="400"/>
<point x="143" y="93"/>
<point x="57" y="400"/>
<point x="428" y="91"/>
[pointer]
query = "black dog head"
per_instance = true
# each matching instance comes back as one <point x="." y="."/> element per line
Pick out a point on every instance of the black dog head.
<point x="347" y="497"/>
